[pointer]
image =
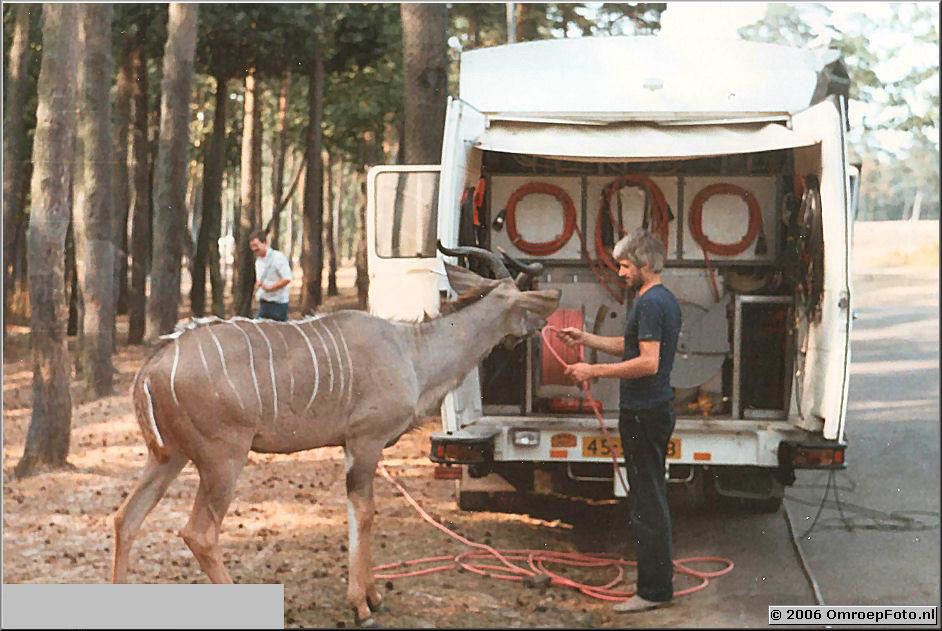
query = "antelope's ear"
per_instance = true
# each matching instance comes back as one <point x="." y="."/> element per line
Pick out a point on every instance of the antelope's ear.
<point x="461" y="279"/>
<point x="542" y="302"/>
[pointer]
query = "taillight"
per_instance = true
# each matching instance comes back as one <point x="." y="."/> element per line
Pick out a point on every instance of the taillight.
<point x="809" y="456"/>
<point x="461" y="451"/>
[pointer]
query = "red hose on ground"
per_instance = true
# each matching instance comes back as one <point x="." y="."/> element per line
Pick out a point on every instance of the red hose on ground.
<point x="538" y="560"/>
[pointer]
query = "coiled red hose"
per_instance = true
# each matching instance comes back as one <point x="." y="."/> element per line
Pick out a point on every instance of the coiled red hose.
<point x="569" y="219"/>
<point x="660" y="213"/>
<point x="723" y="249"/>
<point x="536" y="560"/>
<point x="604" y="266"/>
<point x="696" y="220"/>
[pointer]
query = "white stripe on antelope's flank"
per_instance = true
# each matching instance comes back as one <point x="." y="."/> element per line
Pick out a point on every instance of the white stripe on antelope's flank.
<point x="330" y="364"/>
<point x="173" y="370"/>
<point x="225" y="369"/>
<point x="248" y="342"/>
<point x="290" y="372"/>
<point x="346" y="351"/>
<point x="271" y="367"/>
<point x="339" y="360"/>
<point x="317" y="377"/>
<point x="199" y="346"/>
<point x="150" y="413"/>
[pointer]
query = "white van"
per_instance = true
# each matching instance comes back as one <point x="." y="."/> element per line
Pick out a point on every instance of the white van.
<point x="736" y="154"/>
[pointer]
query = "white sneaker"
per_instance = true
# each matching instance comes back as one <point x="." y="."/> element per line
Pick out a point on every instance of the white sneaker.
<point x="637" y="603"/>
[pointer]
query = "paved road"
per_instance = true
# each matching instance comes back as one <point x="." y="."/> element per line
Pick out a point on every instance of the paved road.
<point x="893" y="450"/>
<point x="893" y="465"/>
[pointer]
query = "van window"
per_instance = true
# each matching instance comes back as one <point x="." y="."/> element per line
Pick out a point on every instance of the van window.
<point x="406" y="214"/>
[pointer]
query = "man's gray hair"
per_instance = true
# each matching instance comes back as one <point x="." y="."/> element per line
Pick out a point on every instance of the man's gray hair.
<point x="640" y="247"/>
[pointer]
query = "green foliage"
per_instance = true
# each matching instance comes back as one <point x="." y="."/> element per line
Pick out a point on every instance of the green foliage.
<point x="32" y="71"/>
<point x="364" y="74"/>
<point x="897" y="140"/>
<point x="637" y="18"/>
<point x="233" y="38"/>
<point x="478" y="25"/>
<point x="782" y="24"/>
<point x="889" y="186"/>
<point x="132" y="22"/>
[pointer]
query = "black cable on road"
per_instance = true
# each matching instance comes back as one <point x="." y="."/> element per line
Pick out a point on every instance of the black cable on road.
<point x="895" y="521"/>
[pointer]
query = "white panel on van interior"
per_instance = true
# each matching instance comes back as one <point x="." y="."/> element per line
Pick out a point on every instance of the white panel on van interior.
<point x="825" y="380"/>
<point x="632" y="207"/>
<point x="539" y="217"/>
<point x="725" y="218"/>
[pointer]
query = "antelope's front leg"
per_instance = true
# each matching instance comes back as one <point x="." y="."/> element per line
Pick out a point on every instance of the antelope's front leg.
<point x="361" y="589"/>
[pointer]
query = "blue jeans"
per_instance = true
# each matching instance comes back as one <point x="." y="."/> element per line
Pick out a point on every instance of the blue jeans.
<point x="644" y="437"/>
<point x="270" y="310"/>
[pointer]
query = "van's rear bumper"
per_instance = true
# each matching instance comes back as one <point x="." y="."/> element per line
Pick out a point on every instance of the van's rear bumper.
<point x="713" y="441"/>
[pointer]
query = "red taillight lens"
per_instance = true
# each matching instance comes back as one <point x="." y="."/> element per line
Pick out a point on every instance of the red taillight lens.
<point x="810" y="458"/>
<point x="460" y="452"/>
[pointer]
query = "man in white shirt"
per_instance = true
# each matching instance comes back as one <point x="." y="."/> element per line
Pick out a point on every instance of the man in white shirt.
<point x="272" y="274"/>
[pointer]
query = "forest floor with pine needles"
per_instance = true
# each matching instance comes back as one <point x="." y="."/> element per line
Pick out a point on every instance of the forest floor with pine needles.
<point x="286" y="525"/>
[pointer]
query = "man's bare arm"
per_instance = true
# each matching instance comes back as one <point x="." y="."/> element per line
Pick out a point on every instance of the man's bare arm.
<point x="606" y="344"/>
<point x="611" y="345"/>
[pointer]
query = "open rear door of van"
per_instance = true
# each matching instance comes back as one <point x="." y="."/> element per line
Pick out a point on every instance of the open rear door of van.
<point x="401" y="231"/>
<point x="824" y="337"/>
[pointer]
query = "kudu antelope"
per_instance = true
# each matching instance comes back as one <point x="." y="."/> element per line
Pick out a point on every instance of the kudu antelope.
<point x="221" y="389"/>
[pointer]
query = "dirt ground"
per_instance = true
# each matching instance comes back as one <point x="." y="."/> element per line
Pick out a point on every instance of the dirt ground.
<point x="286" y="525"/>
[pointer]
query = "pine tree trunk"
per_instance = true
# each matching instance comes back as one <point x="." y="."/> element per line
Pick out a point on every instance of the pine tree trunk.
<point x="425" y="57"/>
<point x="122" y="120"/>
<point x="363" y="279"/>
<point x="47" y="439"/>
<point x="244" y="259"/>
<point x="257" y="139"/>
<point x="278" y="167"/>
<point x="333" y="203"/>
<point x="93" y="224"/>
<point x="139" y="197"/>
<point x="15" y="148"/>
<point x="313" y="253"/>
<point x="208" y="239"/>
<point x="170" y="170"/>
<point x="295" y="239"/>
<point x="370" y="152"/>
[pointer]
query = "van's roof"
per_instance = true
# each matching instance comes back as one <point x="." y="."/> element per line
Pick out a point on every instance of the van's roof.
<point x="641" y="78"/>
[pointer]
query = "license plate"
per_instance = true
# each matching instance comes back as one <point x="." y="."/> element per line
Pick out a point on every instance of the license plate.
<point x="601" y="447"/>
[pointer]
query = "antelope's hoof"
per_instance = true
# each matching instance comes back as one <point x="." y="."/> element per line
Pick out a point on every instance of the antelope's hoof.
<point x="368" y="623"/>
<point x="380" y="608"/>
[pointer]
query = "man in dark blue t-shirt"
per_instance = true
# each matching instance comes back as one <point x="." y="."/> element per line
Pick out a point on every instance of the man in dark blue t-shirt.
<point x="646" y="419"/>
